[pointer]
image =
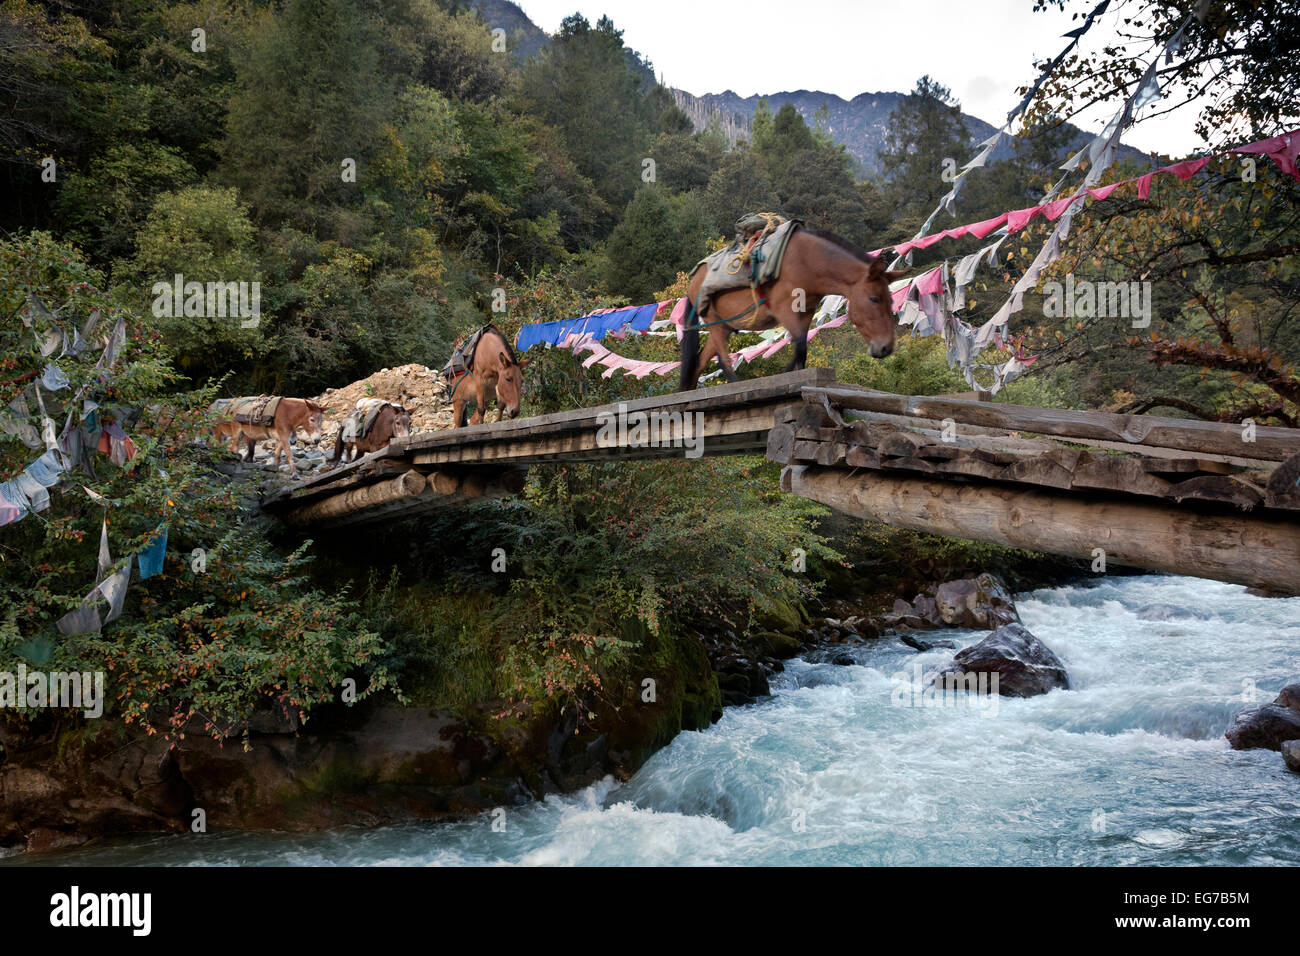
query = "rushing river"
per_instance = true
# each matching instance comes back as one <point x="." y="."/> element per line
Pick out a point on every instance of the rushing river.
<point x="1129" y="766"/>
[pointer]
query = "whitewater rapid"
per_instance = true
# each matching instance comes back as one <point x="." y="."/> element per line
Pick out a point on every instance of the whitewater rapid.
<point x="1129" y="766"/>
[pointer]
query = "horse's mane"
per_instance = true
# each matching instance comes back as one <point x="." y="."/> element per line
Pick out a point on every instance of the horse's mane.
<point x="504" y="338"/>
<point x="852" y="248"/>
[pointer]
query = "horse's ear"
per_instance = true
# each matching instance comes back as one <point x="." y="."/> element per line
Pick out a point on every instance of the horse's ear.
<point x="877" y="268"/>
<point x="523" y="362"/>
<point x="895" y="274"/>
<point x="504" y="359"/>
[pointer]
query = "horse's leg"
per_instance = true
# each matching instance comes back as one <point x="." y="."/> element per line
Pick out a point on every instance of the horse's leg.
<point x="480" y="403"/>
<point x="800" y="359"/>
<point x="282" y="429"/>
<point x="458" y="412"/>
<point x="797" y="324"/>
<point x="718" y="342"/>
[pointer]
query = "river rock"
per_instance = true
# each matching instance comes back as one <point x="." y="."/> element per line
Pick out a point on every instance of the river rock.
<point x="1268" y="727"/>
<point x="778" y="645"/>
<point x="1289" y="697"/>
<point x="1026" y="667"/>
<point x="1291" y="754"/>
<point x="982" y="602"/>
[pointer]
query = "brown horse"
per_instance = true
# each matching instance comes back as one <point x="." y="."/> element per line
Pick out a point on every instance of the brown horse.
<point x="392" y="421"/>
<point x="290" y="415"/>
<point x="493" y="369"/>
<point x="815" y="264"/>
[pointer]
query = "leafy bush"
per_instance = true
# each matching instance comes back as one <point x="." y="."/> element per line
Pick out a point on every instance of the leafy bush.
<point x="230" y="624"/>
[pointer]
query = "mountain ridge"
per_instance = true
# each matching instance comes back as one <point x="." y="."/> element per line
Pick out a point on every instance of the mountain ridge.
<point x="859" y="124"/>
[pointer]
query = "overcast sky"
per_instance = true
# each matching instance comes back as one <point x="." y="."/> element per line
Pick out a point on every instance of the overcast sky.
<point x="981" y="49"/>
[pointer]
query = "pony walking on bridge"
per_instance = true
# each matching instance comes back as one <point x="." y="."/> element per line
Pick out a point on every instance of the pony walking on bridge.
<point x="809" y="264"/>
<point x="480" y="367"/>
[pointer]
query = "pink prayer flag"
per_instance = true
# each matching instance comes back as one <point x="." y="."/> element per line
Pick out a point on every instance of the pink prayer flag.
<point x="899" y="297"/>
<point x="925" y="242"/>
<point x="1101" y="192"/>
<point x="981" y="229"/>
<point x="1144" y="185"/>
<point x="904" y="248"/>
<point x="1054" y="210"/>
<point x="956" y="232"/>
<point x="1017" y="219"/>
<point x="1266" y="146"/>
<point x="1187" y="168"/>
<point x="931" y="283"/>
<point x="679" y="310"/>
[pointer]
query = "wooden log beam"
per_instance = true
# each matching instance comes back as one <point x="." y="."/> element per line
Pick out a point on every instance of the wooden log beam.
<point x="1242" y="549"/>
<point x="1270" y="443"/>
<point x="406" y="485"/>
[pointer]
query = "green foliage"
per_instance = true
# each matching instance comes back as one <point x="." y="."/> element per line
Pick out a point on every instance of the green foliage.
<point x="925" y="129"/>
<point x="660" y="235"/>
<point x="599" y="554"/>
<point x="197" y="647"/>
<point x="583" y="87"/>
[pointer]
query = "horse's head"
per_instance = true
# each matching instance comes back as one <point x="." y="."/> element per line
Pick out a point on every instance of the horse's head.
<point x="510" y="383"/>
<point x="315" y="416"/>
<point x="871" y="309"/>
<point x="401" y="422"/>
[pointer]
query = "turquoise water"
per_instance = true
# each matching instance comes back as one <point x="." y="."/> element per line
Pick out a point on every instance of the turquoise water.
<point x="1128" y="767"/>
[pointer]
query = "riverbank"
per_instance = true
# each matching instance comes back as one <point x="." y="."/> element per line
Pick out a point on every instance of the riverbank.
<point x="1128" y="767"/>
<point x="381" y="763"/>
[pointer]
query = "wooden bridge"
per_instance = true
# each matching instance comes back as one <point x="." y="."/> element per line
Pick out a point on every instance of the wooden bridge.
<point x="1188" y="497"/>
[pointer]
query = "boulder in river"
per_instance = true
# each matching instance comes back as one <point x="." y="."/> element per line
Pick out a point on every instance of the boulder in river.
<point x="1026" y="667"/>
<point x="979" y="602"/>
<point x="1269" y="726"/>
<point x="1289" y="697"/>
<point x="1291" y="754"/>
<point x="975" y="602"/>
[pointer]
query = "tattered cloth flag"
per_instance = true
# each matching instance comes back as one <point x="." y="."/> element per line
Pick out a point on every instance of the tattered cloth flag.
<point x="113" y="589"/>
<point x="150" y="559"/>
<point x="84" y="620"/>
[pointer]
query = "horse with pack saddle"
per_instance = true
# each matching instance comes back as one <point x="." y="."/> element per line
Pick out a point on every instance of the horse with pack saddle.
<point x="251" y="419"/>
<point x="370" y="426"/>
<point x="483" y="366"/>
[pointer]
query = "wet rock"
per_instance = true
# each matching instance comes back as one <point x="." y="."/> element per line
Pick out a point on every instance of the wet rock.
<point x="1289" y="697"/>
<point x="1026" y="667"/>
<point x="981" y="602"/>
<point x="926" y="608"/>
<point x="912" y="642"/>
<point x="1267" y="727"/>
<point x="1291" y="754"/>
<point x="843" y="660"/>
<point x="777" y="645"/>
<point x="927" y="645"/>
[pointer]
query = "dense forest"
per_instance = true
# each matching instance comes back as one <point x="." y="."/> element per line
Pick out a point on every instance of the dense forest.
<point x="381" y="168"/>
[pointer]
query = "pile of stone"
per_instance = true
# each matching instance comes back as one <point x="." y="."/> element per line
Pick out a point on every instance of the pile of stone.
<point x="420" y="390"/>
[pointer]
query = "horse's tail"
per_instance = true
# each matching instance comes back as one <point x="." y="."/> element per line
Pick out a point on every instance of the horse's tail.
<point x="690" y="349"/>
